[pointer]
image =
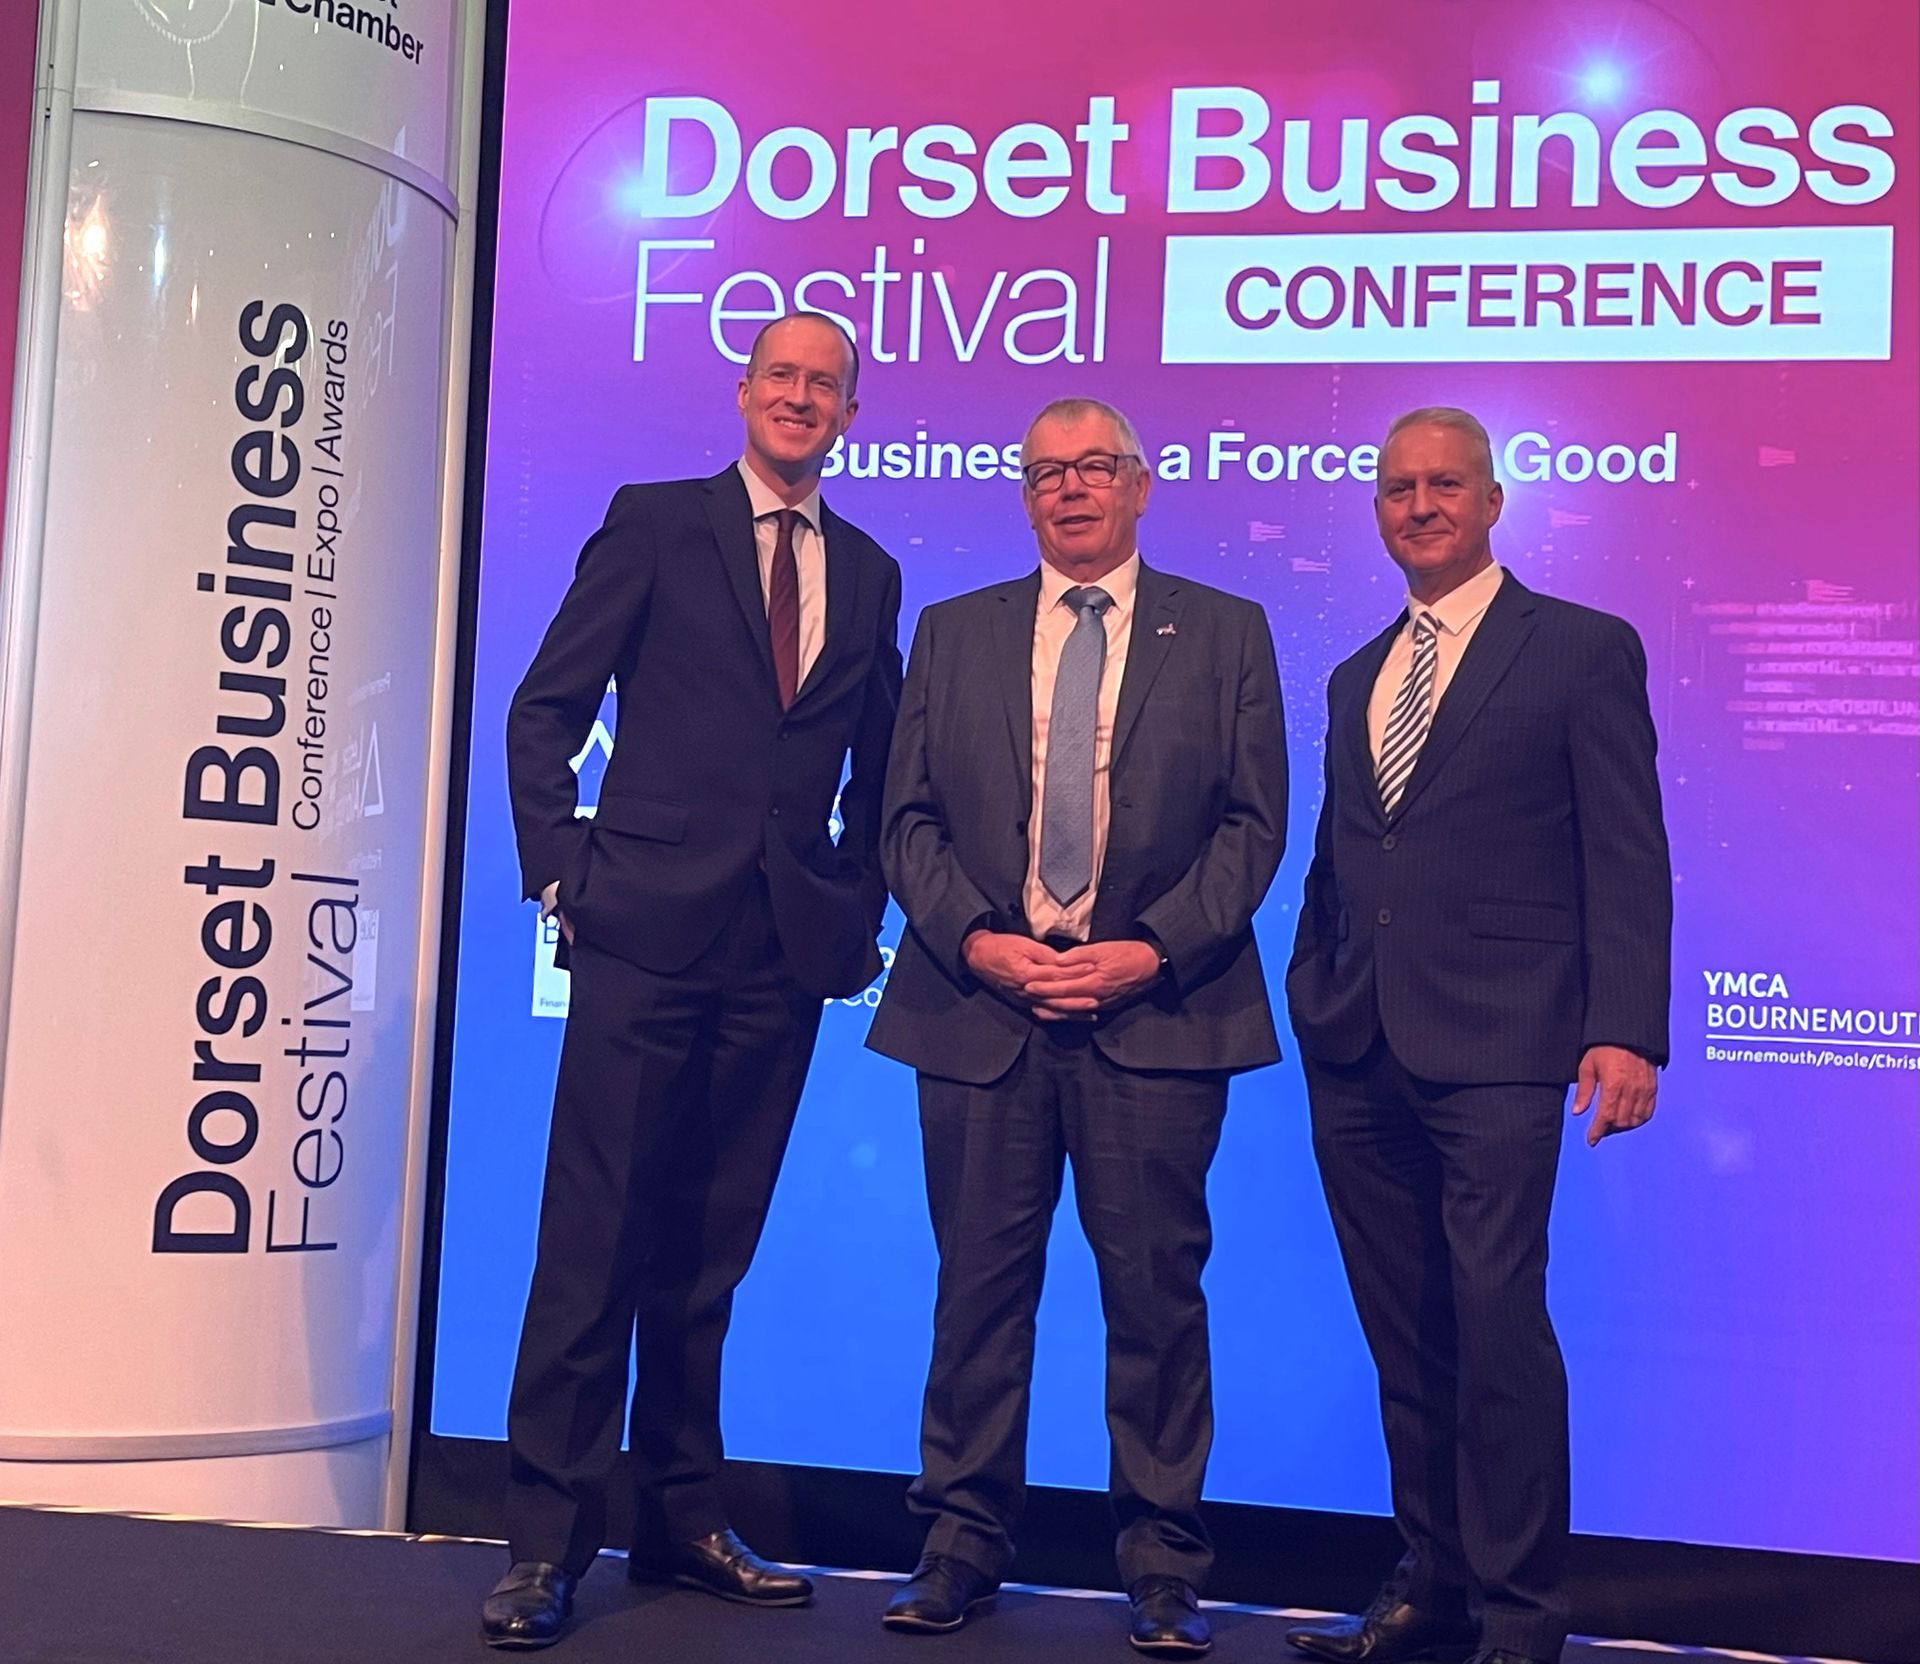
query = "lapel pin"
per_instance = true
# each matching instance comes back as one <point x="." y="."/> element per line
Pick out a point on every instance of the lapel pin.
<point x="1166" y="630"/>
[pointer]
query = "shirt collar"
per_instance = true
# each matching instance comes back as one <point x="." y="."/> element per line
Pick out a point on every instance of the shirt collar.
<point x="1458" y="608"/>
<point x="764" y="502"/>
<point x="1120" y="583"/>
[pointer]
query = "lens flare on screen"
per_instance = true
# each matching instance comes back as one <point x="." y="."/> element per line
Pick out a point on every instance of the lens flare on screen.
<point x="1602" y="82"/>
<point x="592" y="204"/>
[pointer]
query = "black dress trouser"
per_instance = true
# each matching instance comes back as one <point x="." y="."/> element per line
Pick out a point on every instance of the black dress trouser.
<point x="1140" y="1144"/>
<point x="1440" y="1196"/>
<point x="675" y="1098"/>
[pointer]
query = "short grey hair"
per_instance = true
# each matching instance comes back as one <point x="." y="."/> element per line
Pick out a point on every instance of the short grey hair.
<point x="1445" y="416"/>
<point x="1072" y="410"/>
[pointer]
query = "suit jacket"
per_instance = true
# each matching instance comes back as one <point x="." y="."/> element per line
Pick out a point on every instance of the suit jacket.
<point x="1517" y="906"/>
<point x="710" y="779"/>
<point x="1198" y="796"/>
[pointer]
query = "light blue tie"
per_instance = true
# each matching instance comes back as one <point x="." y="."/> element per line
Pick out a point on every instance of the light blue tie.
<point x="1066" y="831"/>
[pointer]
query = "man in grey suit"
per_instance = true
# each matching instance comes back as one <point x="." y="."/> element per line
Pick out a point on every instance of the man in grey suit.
<point x="1086" y="801"/>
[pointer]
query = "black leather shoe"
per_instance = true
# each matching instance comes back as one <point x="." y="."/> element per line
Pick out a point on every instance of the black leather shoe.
<point x="1389" y="1632"/>
<point x="941" y="1595"/>
<point x="529" y="1607"/>
<point x="1167" y="1622"/>
<point x="722" y="1565"/>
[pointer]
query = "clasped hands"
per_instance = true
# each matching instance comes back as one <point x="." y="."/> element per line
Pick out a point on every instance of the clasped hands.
<point x="1071" y="986"/>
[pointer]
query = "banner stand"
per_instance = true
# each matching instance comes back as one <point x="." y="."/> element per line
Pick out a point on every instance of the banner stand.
<point x="231" y="599"/>
<point x="440" y="766"/>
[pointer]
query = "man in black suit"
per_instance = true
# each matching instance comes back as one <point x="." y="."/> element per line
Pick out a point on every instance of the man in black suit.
<point x="1085" y="804"/>
<point x="1487" y="919"/>
<point x="750" y="634"/>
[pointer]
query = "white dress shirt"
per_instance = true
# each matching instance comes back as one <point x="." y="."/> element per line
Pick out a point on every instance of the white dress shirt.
<point x="1052" y="624"/>
<point x="1457" y="616"/>
<point x="809" y="554"/>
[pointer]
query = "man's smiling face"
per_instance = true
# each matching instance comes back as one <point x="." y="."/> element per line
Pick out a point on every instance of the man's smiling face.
<point x="797" y="396"/>
<point x="1085" y="530"/>
<point x="1435" y="503"/>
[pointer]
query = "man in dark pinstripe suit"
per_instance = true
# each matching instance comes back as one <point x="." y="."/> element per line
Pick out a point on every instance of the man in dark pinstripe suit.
<point x="1487" y="920"/>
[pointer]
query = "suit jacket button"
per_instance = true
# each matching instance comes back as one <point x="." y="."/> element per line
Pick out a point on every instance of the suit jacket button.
<point x="776" y="816"/>
<point x="1385" y="843"/>
<point x="1385" y="915"/>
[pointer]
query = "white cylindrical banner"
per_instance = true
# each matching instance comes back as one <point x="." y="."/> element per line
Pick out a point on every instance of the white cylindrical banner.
<point x="223" y="846"/>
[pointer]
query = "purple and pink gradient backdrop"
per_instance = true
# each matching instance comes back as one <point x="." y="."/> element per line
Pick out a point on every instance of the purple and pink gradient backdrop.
<point x="1736" y="1286"/>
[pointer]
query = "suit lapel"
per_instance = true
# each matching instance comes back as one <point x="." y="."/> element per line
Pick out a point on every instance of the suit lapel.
<point x="730" y="514"/>
<point x="1012" y="667"/>
<point x="1156" y="610"/>
<point x="1503" y="630"/>
<point x="1352" y="720"/>
<point x="843" y="591"/>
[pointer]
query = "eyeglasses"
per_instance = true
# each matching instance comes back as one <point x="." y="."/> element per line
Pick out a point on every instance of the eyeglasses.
<point x="1098" y="469"/>
<point x="786" y="377"/>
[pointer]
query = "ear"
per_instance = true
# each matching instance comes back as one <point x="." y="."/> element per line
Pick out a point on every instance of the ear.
<point x="740" y="394"/>
<point x="1496" y="500"/>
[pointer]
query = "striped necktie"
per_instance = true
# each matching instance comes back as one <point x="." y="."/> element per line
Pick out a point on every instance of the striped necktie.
<point x="1066" y="821"/>
<point x="1411" y="716"/>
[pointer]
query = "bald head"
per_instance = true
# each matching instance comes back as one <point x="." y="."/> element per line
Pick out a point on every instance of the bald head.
<point x="772" y="339"/>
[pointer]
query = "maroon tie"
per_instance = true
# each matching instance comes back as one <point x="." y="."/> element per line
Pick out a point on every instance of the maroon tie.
<point x="783" y="608"/>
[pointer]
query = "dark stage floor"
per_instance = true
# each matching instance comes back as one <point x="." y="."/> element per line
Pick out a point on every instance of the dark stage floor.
<point x="106" y="1589"/>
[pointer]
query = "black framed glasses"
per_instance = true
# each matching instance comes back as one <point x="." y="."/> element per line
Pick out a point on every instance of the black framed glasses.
<point x="1098" y="468"/>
